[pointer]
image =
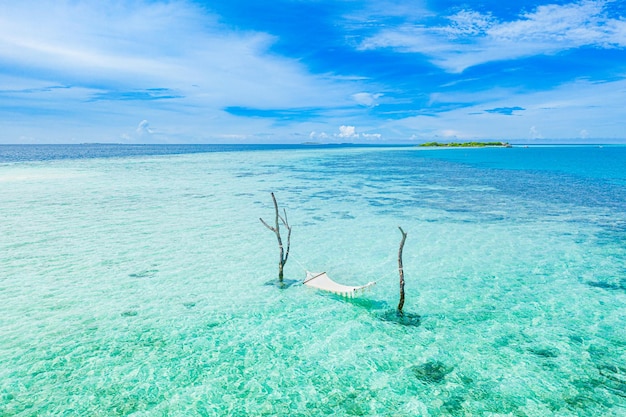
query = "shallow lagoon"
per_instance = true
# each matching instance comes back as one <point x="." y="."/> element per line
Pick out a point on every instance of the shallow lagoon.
<point x="137" y="285"/>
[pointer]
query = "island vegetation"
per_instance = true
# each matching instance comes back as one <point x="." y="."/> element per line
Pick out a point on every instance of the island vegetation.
<point x="465" y="144"/>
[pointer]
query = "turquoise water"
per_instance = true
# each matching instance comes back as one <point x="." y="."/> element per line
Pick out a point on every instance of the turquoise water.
<point x="138" y="285"/>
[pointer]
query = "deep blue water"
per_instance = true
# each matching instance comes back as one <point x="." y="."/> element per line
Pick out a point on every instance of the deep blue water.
<point x="606" y="162"/>
<point x="23" y="153"/>
<point x="579" y="175"/>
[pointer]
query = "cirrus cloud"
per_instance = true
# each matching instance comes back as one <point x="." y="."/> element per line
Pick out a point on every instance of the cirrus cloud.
<point x="109" y="64"/>
<point x="471" y="38"/>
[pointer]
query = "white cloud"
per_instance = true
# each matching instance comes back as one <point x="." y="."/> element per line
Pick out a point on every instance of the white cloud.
<point x="374" y="12"/>
<point x="144" y="128"/>
<point x="111" y="41"/>
<point x="534" y="133"/>
<point x="347" y="132"/>
<point x="472" y="38"/>
<point x="316" y="135"/>
<point x="372" y="136"/>
<point x="468" y="23"/>
<point x="367" y="99"/>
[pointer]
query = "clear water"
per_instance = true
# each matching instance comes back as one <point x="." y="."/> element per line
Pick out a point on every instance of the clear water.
<point x="137" y="285"/>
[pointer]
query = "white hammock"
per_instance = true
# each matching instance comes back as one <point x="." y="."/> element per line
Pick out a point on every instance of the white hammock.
<point x="321" y="281"/>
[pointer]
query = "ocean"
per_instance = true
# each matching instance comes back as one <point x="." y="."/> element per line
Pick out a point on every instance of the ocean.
<point x="139" y="281"/>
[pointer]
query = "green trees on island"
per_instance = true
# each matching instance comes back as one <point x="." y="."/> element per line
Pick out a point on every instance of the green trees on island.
<point x="464" y="144"/>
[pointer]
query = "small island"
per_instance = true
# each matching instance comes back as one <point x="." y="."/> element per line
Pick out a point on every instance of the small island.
<point x="466" y="144"/>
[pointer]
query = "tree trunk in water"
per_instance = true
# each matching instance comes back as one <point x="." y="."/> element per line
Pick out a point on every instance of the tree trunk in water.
<point x="283" y="255"/>
<point x="401" y="303"/>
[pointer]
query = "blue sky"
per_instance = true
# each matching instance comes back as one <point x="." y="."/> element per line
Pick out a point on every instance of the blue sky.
<point x="291" y="71"/>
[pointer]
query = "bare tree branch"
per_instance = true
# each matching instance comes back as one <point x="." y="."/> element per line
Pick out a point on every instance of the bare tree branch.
<point x="267" y="225"/>
<point x="286" y="224"/>
<point x="283" y="256"/>
<point x="401" y="270"/>
<point x="288" y="240"/>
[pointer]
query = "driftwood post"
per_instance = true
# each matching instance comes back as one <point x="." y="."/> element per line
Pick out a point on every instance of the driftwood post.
<point x="401" y="303"/>
<point x="284" y="254"/>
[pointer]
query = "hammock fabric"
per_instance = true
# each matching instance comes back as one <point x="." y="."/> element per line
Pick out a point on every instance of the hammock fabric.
<point x="321" y="281"/>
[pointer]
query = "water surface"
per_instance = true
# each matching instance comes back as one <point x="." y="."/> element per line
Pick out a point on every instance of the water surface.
<point x="136" y="284"/>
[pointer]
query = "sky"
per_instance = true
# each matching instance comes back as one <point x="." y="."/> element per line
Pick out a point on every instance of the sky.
<point x="295" y="71"/>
